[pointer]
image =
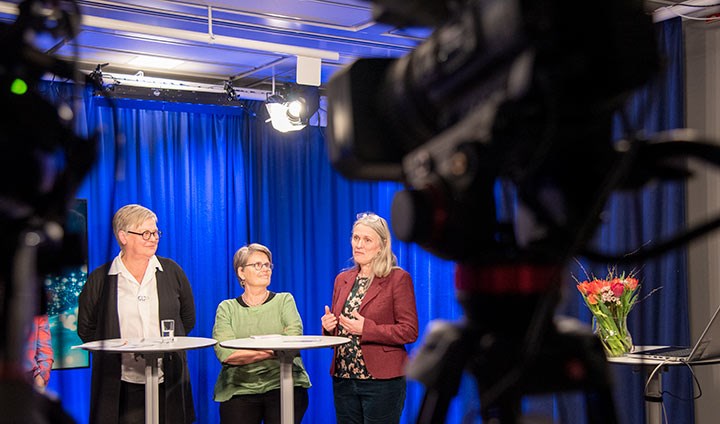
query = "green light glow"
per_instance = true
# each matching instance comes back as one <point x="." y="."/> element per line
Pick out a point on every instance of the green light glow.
<point x="18" y="87"/>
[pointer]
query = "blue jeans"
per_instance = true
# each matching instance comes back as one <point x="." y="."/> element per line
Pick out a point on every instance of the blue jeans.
<point x="369" y="401"/>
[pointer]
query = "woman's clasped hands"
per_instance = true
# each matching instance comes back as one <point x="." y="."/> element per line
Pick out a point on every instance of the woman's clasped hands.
<point x="353" y="325"/>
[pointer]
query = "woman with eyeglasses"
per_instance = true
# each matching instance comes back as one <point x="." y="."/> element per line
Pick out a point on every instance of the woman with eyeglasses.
<point x="373" y="304"/>
<point x="127" y="298"/>
<point x="248" y="387"/>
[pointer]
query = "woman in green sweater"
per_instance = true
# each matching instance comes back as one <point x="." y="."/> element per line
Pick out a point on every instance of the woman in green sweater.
<point x="248" y="387"/>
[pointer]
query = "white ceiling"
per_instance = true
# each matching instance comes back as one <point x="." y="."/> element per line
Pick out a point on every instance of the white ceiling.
<point x="249" y="42"/>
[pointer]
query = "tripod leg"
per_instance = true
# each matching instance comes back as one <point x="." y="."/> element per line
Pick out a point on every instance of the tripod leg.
<point x="434" y="407"/>
<point x="439" y="366"/>
<point x="600" y="407"/>
<point x="506" y="411"/>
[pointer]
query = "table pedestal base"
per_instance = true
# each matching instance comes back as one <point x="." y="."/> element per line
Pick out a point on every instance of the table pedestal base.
<point x="287" y="396"/>
<point x="653" y="395"/>
<point x="152" y="391"/>
<point x="286" y="348"/>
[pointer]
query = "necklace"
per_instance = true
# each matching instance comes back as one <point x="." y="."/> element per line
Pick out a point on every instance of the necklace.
<point x="245" y="299"/>
<point x="364" y="281"/>
<point x="368" y="276"/>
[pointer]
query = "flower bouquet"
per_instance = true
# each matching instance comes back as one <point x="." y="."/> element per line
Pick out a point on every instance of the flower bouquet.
<point x="610" y="301"/>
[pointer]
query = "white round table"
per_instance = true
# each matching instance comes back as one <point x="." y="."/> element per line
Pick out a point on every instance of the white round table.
<point x="653" y="387"/>
<point x="152" y="350"/>
<point x="286" y="347"/>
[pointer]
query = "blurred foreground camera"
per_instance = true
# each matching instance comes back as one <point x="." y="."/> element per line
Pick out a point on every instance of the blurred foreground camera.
<point x="502" y="90"/>
<point x="513" y="93"/>
<point x="42" y="163"/>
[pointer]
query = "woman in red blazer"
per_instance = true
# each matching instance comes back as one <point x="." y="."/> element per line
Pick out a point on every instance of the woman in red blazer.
<point x="373" y="304"/>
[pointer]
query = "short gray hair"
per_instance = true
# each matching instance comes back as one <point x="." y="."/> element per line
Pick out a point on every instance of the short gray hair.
<point x="241" y="257"/>
<point x="129" y="217"/>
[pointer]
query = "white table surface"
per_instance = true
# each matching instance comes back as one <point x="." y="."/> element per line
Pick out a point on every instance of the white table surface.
<point x="148" y="345"/>
<point x="278" y="342"/>
<point x="285" y="347"/>
<point x="653" y="369"/>
<point x="634" y="360"/>
<point x="152" y="350"/>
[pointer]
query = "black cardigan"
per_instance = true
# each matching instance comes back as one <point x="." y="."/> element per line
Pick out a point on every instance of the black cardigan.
<point x="98" y="320"/>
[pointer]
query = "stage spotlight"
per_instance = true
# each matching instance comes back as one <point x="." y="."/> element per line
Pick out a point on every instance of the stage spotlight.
<point x="230" y="91"/>
<point x="291" y="108"/>
<point x="95" y="80"/>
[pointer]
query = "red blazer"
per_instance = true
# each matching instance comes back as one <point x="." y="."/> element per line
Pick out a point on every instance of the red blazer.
<point x="390" y="320"/>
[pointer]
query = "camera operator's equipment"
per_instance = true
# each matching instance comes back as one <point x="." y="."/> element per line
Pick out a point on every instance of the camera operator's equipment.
<point x="503" y="91"/>
<point x="42" y="163"/>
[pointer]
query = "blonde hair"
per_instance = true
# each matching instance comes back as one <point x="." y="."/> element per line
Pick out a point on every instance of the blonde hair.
<point x="386" y="260"/>
<point x="241" y="256"/>
<point x="129" y="217"/>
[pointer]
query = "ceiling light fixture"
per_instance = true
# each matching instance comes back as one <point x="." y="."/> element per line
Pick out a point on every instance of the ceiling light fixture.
<point x="291" y="108"/>
<point x="139" y="79"/>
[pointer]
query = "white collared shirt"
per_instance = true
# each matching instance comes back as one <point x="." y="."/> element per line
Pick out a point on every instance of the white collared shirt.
<point x="138" y="313"/>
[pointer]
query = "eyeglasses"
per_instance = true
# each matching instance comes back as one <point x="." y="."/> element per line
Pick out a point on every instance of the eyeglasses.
<point x="259" y="265"/>
<point x="367" y="216"/>
<point x="146" y="234"/>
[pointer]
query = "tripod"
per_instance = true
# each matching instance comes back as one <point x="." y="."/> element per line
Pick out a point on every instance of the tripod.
<point x="512" y="346"/>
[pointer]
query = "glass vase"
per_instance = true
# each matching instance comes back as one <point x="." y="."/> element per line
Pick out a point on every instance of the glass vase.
<point x="614" y="335"/>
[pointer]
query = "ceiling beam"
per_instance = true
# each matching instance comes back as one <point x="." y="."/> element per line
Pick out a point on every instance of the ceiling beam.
<point x="208" y="38"/>
<point x="242" y="43"/>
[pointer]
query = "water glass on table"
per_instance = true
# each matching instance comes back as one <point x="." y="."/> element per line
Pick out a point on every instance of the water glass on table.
<point x="167" y="330"/>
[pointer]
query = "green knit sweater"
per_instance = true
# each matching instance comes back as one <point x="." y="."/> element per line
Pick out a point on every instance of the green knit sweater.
<point x="278" y="315"/>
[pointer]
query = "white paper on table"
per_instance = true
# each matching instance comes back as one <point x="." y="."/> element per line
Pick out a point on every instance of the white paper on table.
<point x="301" y="339"/>
<point x="129" y="345"/>
<point x="267" y="336"/>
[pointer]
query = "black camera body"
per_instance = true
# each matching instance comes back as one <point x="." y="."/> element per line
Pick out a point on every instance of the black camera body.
<point x="42" y="163"/>
<point x="513" y="93"/>
<point x="516" y="91"/>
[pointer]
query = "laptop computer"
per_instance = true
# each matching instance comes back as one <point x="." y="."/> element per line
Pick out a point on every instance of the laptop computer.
<point x="706" y="347"/>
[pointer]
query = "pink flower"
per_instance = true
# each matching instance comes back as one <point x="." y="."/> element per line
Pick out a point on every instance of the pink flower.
<point x="617" y="288"/>
<point x="610" y="300"/>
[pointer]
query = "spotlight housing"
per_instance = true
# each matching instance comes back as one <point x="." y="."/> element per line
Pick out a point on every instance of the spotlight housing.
<point x="291" y="107"/>
<point x="230" y="91"/>
<point x="95" y="80"/>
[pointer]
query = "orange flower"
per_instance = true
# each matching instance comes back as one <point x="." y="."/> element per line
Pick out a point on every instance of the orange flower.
<point x="632" y="283"/>
<point x="610" y="301"/>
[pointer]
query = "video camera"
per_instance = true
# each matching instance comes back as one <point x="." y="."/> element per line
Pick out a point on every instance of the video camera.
<point x="514" y="92"/>
<point x="522" y="91"/>
<point x="42" y="163"/>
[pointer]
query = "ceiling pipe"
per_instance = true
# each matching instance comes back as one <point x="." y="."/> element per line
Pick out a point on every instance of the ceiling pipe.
<point x="257" y="69"/>
<point x="117" y="25"/>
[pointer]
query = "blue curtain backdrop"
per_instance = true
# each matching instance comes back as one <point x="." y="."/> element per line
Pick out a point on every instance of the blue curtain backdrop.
<point x="635" y="219"/>
<point x="220" y="177"/>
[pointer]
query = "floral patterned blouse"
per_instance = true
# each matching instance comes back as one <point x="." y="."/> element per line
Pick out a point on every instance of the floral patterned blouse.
<point x="349" y="362"/>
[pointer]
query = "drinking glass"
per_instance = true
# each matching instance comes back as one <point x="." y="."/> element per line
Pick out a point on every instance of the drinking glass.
<point x="167" y="330"/>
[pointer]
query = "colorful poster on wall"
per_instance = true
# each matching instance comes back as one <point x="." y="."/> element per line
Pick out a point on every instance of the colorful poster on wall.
<point x="63" y="290"/>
